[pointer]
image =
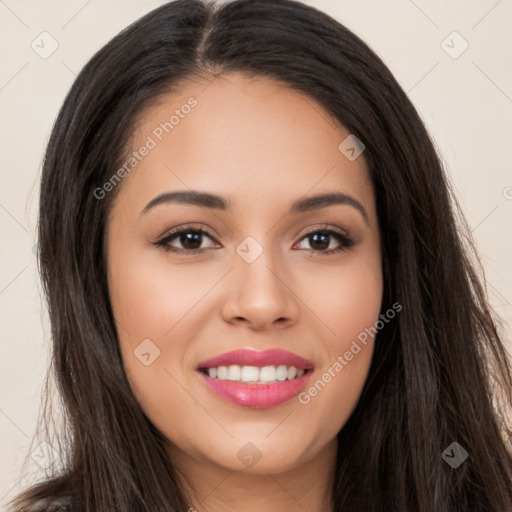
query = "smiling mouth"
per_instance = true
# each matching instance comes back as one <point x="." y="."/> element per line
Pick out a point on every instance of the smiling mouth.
<point x="254" y="374"/>
<point x="256" y="379"/>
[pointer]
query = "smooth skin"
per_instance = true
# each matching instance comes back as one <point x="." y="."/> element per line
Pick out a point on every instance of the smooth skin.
<point x="262" y="146"/>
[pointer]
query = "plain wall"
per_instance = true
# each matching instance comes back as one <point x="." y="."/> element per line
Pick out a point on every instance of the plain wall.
<point x="466" y="103"/>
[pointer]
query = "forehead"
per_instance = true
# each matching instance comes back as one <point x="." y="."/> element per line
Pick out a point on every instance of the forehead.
<point x="245" y="138"/>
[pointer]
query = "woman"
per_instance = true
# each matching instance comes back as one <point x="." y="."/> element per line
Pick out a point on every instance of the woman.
<point x="259" y="294"/>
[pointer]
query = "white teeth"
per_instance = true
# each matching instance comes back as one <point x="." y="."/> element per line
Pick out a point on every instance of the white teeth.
<point x="222" y="372"/>
<point x="255" y="374"/>
<point x="281" y="372"/>
<point x="292" y="373"/>
<point x="268" y="374"/>
<point x="250" y="374"/>
<point x="234" y="372"/>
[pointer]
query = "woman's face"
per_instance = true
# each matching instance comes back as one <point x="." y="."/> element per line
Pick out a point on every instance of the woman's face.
<point x="267" y="276"/>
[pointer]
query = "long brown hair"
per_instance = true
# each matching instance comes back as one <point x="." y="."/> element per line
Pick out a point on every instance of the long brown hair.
<point x="436" y="371"/>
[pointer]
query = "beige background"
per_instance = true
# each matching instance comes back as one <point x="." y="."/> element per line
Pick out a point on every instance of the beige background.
<point x="466" y="103"/>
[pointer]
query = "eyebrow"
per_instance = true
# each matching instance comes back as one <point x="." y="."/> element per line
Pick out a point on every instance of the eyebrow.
<point x="207" y="200"/>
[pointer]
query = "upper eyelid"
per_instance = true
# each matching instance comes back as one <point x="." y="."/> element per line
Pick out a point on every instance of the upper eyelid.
<point x="175" y="232"/>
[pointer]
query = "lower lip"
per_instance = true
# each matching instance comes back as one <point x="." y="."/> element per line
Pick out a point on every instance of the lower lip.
<point x="258" y="396"/>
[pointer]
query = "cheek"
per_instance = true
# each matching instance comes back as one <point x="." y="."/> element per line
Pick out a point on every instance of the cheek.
<point x="149" y="295"/>
<point x="348" y="305"/>
<point x="149" y="298"/>
<point x="346" y="298"/>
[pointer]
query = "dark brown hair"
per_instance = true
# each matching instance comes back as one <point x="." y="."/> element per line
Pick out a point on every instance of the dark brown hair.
<point x="436" y="371"/>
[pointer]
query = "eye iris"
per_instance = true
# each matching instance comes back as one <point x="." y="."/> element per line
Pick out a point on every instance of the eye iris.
<point x="323" y="244"/>
<point x="191" y="237"/>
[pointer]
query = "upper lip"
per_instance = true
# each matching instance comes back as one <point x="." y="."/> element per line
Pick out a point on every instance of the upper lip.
<point x="245" y="357"/>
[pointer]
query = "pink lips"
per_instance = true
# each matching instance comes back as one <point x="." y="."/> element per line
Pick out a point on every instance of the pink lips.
<point x="258" y="358"/>
<point x="256" y="395"/>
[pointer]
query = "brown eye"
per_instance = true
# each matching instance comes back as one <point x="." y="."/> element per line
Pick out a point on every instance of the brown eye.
<point x="321" y="240"/>
<point x="191" y="240"/>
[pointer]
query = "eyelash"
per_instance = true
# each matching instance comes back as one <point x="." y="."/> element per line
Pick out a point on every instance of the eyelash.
<point x="345" y="241"/>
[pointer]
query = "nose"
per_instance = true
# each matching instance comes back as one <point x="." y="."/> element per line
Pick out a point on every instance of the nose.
<point x="260" y="295"/>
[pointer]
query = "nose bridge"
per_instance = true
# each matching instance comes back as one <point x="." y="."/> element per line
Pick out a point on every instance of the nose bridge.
<point x="259" y="293"/>
<point x="257" y="265"/>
